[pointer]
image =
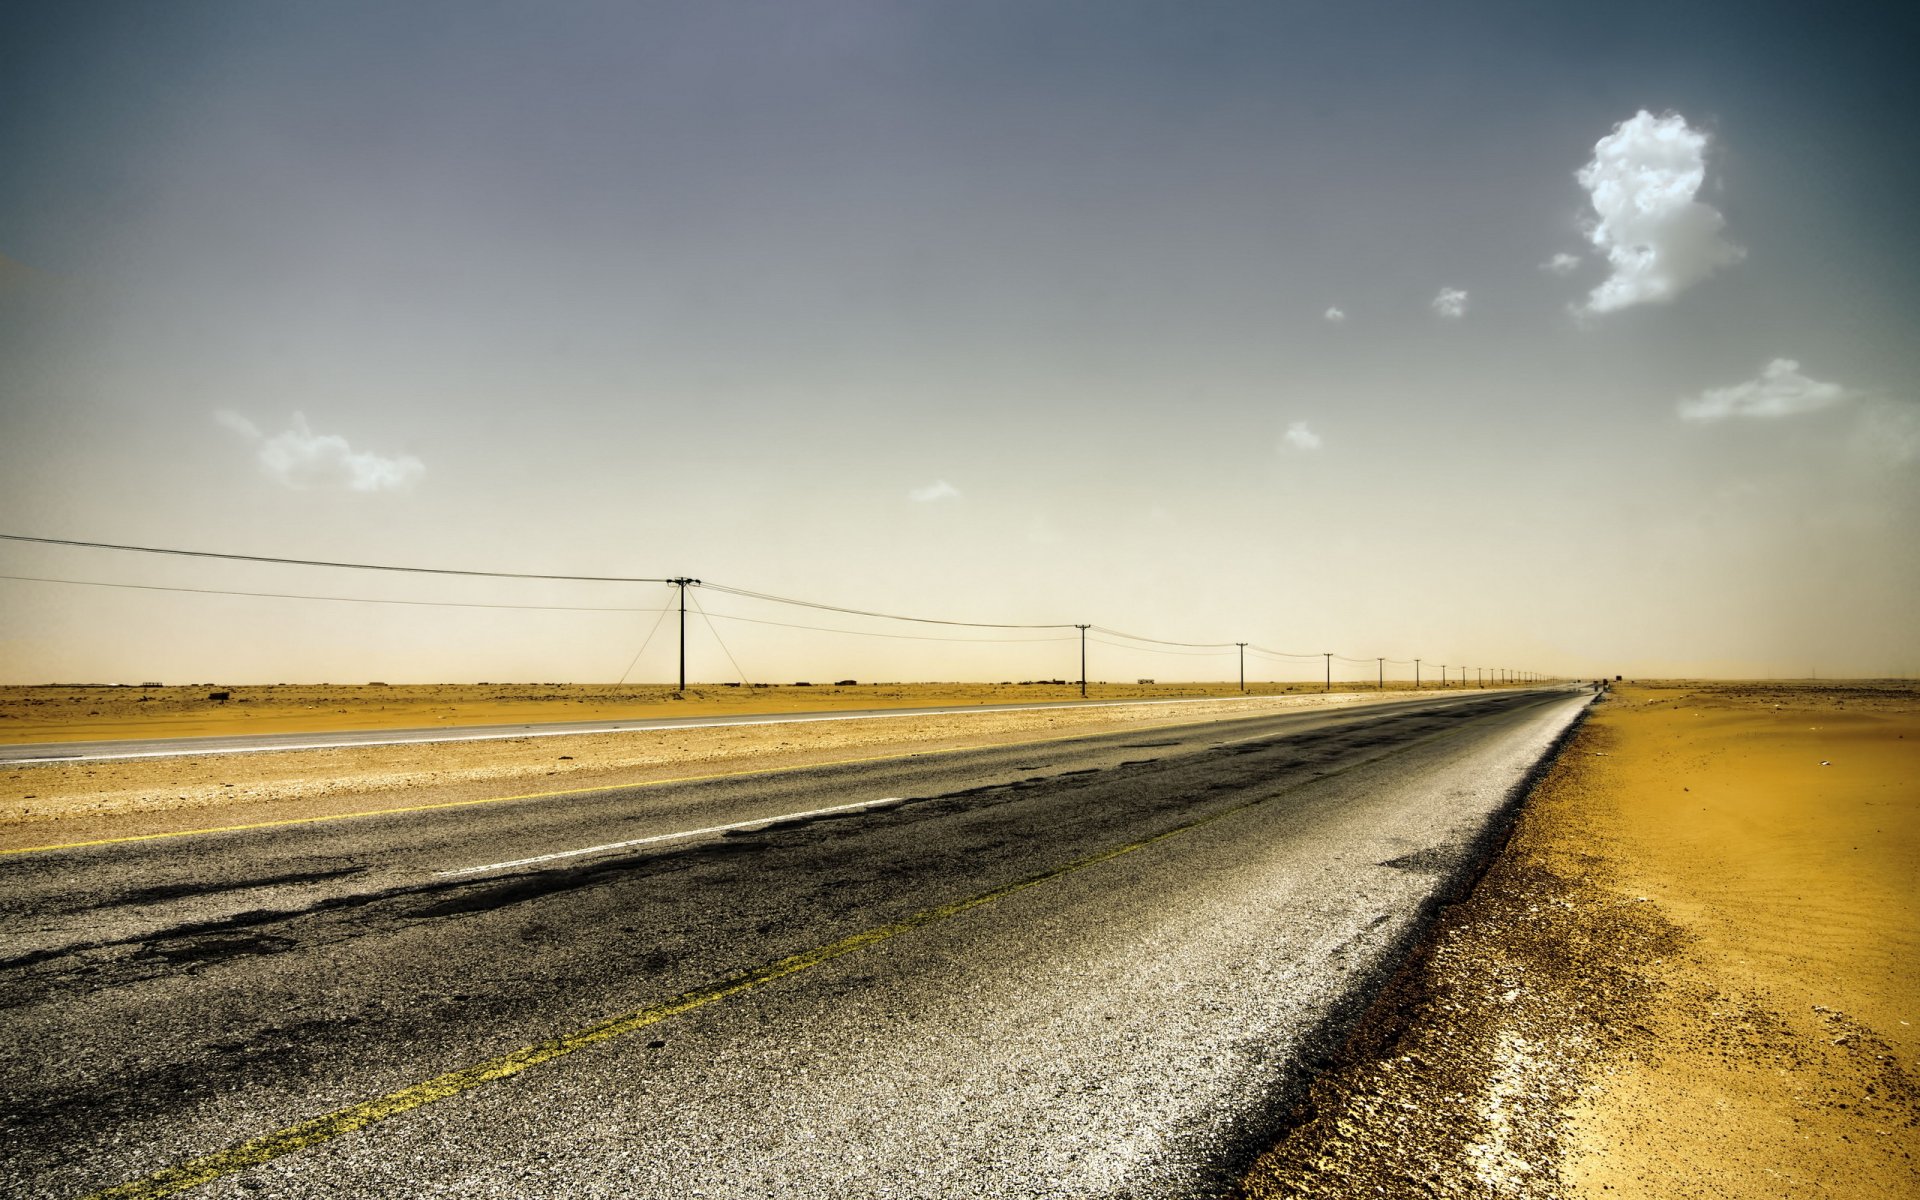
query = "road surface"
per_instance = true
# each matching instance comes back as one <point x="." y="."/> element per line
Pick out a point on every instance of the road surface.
<point x="1095" y="967"/>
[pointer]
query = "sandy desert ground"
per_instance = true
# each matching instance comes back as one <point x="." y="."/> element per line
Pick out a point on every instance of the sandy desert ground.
<point x="1692" y="973"/>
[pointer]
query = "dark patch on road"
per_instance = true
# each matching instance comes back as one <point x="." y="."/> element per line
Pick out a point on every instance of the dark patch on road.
<point x="216" y="949"/>
<point x="1433" y="858"/>
<point x="177" y="891"/>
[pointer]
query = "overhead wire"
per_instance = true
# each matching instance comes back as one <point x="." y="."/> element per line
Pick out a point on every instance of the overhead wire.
<point x="314" y="562"/>
<point x="1253" y="649"/>
<point x="156" y="587"/>
<point x="861" y="612"/>
<point x="1151" y="650"/>
<point x="1141" y="642"/>
<point x="1134" y="637"/>
<point x="909" y="637"/>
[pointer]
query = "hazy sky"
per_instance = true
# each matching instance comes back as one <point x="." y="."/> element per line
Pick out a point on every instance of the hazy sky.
<point x="1577" y="340"/>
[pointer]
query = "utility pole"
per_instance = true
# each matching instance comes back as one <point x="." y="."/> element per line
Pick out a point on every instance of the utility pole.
<point x="1329" y="655"/>
<point x="1083" y="660"/>
<point x="1380" y="672"/>
<point x="1416" y="674"/>
<point x="1443" y="676"/>
<point x="1243" y="665"/>
<point x="682" y="583"/>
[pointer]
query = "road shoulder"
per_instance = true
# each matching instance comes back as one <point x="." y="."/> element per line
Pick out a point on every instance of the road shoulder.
<point x="1687" y="975"/>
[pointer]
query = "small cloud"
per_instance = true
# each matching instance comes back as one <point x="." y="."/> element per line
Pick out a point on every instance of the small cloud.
<point x="939" y="489"/>
<point x="1658" y="239"/>
<point x="1561" y="264"/>
<point x="1451" y="303"/>
<point x="1300" y="437"/>
<point x="1336" y="315"/>
<point x="300" y="458"/>
<point x="239" y="424"/>
<point x="1779" y="391"/>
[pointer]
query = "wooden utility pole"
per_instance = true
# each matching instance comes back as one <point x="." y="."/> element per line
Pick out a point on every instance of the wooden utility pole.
<point x="1083" y="660"/>
<point x="1243" y="665"/>
<point x="682" y="584"/>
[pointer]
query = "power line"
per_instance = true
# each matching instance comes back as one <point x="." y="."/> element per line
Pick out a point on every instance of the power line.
<point x="861" y="612"/>
<point x="907" y="637"/>
<point x="155" y="587"/>
<point x="1151" y="650"/>
<point x="311" y="562"/>
<point x="1196" y="649"/>
<point x="1162" y="641"/>
<point x="1278" y="653"/>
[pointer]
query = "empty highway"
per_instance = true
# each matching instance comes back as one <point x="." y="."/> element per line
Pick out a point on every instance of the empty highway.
<point x="1086" y="967"/>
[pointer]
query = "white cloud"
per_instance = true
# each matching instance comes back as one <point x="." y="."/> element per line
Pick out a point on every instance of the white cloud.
<point x="1779" y="391"/>
<point x="1301" y="438"/>
<point x="1451" y="303"/>
<point x="1562" y="264"/>
<point x="239" y="424"/>
<point x="939" y="489"/>
<point x="1336" y="315"/>
<point x="301" y="458"/>
<point x="1658" y="239"/>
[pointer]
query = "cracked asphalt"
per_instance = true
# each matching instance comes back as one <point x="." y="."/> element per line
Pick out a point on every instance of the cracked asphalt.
<point x="1091" y="967"/>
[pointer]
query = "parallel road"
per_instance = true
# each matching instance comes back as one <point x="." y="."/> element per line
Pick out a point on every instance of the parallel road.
<point x="28" y="753"/>
<point x="1080" y="968"/>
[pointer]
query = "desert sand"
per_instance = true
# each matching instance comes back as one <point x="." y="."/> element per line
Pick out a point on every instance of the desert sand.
<point x="1692" y="973"/>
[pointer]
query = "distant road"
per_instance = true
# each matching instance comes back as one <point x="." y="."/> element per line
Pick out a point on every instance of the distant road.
<point x="1089" y="967"/>
<point x="256" y="743"/>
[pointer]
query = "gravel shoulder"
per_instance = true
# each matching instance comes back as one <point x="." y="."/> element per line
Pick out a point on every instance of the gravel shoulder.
<point x="1689" y="974"/>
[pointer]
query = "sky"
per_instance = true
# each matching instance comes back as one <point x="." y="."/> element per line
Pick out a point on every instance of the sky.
<point x="1571" y="339"/>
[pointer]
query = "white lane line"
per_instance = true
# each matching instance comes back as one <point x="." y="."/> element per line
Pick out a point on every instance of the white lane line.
<point x="1258" y="737"/>
<point x="756" y="823"/>
<point x="625" y="727"/>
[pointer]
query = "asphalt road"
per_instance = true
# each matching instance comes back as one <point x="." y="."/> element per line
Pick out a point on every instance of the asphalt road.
<point x="1095" y="967"/>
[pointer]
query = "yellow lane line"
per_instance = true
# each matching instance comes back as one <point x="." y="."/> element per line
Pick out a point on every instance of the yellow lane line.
<point x="325" y="1128"/>
<point x="593" y="791"/>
